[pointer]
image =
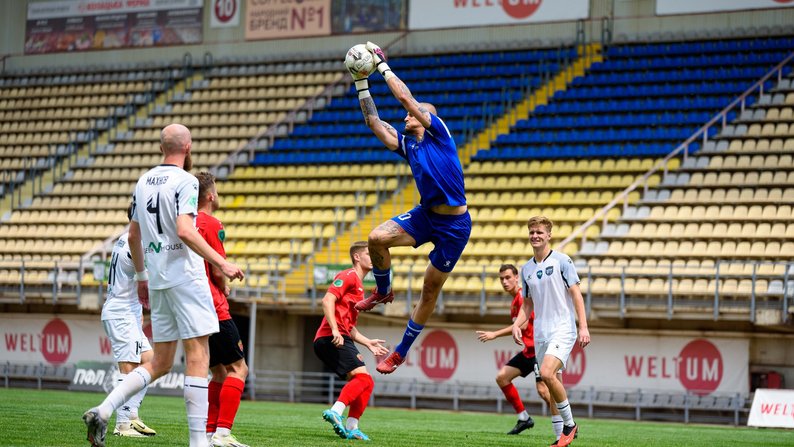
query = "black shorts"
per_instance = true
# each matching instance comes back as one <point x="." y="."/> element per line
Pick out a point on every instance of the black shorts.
<point x="340" y="360"/>
<point x="226" y="346"/>
<point x="525" y="365"/>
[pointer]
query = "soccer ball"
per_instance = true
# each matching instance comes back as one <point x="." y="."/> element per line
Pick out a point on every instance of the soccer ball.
<point x="359" y="61"/>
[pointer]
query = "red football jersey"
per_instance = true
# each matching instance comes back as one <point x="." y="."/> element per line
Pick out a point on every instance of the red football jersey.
<point x="527" y="335"/>
<point x="348" y="290"/>
<point x="211" y="229"/>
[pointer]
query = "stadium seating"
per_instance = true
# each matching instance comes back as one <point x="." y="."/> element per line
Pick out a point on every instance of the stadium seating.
<point x="721" y="226"/>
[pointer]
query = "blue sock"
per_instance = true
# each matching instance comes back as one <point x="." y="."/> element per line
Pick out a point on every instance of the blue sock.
<point x="412" y="330"/>
<point x="382" y="279"/>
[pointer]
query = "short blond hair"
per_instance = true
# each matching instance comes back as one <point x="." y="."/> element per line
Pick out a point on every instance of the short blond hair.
<point x="357" y="247"/>
<point x="540" y="220"/>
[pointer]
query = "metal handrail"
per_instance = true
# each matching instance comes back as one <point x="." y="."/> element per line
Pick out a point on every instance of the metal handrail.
<point x="683" y="147"/>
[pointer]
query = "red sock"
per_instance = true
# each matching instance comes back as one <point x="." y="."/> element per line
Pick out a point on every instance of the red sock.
<point x="214" y="395"/>
<point x="360" y="403"/>
<point x="353" y="388"/>
<point x="511" y="394"/>
<point x="231" y="393"/>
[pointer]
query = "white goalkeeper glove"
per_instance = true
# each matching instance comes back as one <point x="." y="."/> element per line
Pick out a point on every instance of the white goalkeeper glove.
<point x="380" y="60"/>
<point x="362" y="84"/>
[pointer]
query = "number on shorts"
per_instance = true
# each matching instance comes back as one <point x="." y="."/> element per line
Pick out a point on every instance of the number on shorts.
<point x="404" y="216"/>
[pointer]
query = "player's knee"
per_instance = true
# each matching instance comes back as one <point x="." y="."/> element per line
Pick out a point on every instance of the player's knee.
<point x="502" y="380"/>
<point x="241" y="370"/>
<point x="160" y="367"/>
<point x="548" y="375"/>
<point x="377" y="238"/>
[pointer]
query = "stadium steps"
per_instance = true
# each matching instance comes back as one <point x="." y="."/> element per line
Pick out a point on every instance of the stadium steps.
<point x="588" y="54"/>
<point x="405" y="198"/>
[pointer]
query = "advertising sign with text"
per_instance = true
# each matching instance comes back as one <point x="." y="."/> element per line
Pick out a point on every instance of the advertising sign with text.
<point x="698" y="365"/>
<point x="688" y="6"/>
<point x="772" y="408"/>
<point x="104" y="24"/>
<point x="274" y="19"/>
<point x="462" y="13"/>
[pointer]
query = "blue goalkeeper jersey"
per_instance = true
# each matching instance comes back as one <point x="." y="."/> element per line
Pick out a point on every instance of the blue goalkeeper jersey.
<point x="435" y="165"/>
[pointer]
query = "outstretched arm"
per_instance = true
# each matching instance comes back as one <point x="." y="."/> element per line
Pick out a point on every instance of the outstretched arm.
<point x="383" y="130"/>
<point x="398" y="87"/>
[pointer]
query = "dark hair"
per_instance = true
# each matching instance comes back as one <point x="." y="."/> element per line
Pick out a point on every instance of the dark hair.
<point x="129" y="211"/>
<point x="206" y="181"/>
<point x="357" y="247"/>
<point x="510" y="267"/>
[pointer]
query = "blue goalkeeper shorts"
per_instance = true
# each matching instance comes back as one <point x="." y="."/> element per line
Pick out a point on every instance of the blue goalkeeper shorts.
<point x="449" y="234"/>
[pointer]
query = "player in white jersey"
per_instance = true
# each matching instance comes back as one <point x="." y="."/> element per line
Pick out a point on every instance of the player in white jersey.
<point x="163" y="227"/>
<point x="122" y="317"/>
<point x="551" y="289"/>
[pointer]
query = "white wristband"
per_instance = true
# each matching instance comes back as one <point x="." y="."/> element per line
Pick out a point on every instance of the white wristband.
<point x="362" y="84"/>
<point x="142" y="276"/>
<point x="364" y="94"/>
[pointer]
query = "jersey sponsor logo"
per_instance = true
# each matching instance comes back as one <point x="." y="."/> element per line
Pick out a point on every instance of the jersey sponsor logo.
<point x="539" y="274"/>
<point x="157" y="181"/>
<point x="338" y="283"/>
<point x="157" y="247"/>
<point x="221" y="234"/>
<point x="549" y="270"/>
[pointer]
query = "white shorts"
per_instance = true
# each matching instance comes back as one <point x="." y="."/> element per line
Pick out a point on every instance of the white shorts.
<point x="559" y="345"/>
<point x="183" y="311"/>
<point x="126" y="339"/>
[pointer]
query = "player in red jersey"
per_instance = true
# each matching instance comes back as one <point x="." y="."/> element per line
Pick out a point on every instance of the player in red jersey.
<point x="333" y="344"/>
<point x="227" y="361"/>
<point x="523" y="363"/>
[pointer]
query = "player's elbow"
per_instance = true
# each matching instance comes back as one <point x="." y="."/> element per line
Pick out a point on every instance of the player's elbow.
<point x="405" y="98"/>
<point x="184" y="232"/>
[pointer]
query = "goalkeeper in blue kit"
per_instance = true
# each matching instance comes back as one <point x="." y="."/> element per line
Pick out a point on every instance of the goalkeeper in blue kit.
<point x="441" y="216"/>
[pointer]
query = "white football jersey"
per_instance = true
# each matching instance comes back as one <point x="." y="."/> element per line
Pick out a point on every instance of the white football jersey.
<point x="163" y="193"/>
<point x="122" y="296"/>
<point x="547" y="283"/>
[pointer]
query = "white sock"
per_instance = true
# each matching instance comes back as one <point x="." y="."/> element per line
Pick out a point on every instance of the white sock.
<point x="197" y="405"/>
<point x="523" y="416"/>
<point x="556" y="424"/>
<point x="223" y="431"/>
<point x="351" y="424"/>
<point x="565" y="412"/>
<point x="339" y="407"/>
<point x="134" y="382"/>
<point x="135" y="402"/>
<point x="122" y="412"/>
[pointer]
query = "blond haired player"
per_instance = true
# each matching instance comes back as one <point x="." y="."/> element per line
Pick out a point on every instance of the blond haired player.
<point x="551" y="289"/>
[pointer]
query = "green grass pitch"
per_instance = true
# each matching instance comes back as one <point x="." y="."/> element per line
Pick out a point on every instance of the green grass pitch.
<point x="52" y="418"/>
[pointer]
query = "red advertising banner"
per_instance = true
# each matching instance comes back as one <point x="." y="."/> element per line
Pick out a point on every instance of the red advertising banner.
<point x="273" y="19"/>
<point x="97" y="25"/>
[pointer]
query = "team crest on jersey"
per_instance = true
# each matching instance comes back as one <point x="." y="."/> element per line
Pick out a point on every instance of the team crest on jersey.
<point x="222" y="234"/>
<point x="338" y="283"/>
<point x="549" y="270"/>
<point x="539" y="273"/>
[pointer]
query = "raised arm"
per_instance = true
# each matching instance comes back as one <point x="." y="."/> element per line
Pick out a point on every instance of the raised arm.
<point x="383" y="130"/>
<point x="398" y="87"/>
